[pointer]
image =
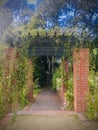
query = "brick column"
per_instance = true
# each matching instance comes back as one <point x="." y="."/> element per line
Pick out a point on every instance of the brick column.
<point x="81" y="73"/>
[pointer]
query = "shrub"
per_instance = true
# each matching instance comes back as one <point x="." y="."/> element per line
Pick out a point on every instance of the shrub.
<point x="59" y="76"/>
<point x="92" y="106"/>
<point x="56" y="80"/>
<point x="69" y="93"/>
<point x="14" y="68"/>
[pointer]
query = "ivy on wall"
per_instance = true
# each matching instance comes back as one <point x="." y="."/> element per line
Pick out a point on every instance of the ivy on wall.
<point x="14" y="77"/>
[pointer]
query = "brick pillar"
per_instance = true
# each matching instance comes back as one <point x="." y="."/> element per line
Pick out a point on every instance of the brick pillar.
<point x="81" y="73"/>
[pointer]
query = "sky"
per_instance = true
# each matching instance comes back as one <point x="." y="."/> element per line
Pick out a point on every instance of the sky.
<point x="21" y="8"/>
<point x="16" y="8"/>
<point x="32" y="2"/>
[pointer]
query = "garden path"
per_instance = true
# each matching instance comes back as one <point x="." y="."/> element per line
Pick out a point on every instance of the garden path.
<point x="48" y="100"/>
<point x="45" y="114"/>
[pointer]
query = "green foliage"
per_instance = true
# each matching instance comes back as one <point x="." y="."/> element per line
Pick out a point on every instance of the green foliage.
<point x="21" y="77"/>
<point x="59" y="77"/>
<point x="37" y="91"/>
<point x="92" y="106"/>
<point x="13" y="82"/>
<point x="69" y="94"/>
<point x="37" y="73"/>
<point x="93" y="82"/>
<point x="57" y="80"/>
<point x="69" y="89"/>
<point x="94" y="59"/>
<point x="35" y="23"/>
<point x="39" y="70"/>
<point x="37" y="88"/>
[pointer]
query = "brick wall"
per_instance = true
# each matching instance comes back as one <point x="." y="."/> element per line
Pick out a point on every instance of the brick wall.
<point x="81" y="73"/>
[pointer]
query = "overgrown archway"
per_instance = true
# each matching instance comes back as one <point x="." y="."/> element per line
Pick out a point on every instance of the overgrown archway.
<point x="48" y="47"/>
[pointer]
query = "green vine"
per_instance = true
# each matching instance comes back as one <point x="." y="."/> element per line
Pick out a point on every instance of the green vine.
<point x="13" y="81"/>
<point x="92" y="105"/>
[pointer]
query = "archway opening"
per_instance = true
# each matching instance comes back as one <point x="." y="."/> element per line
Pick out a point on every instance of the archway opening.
<point x="44" y="67"/>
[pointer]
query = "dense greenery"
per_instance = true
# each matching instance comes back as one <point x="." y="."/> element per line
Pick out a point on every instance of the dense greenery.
<point x="60" y="80"/>
<point x="80" y="16"/>
<point x="69" y="94"/>
<point x="79" y="28"/>
<point x="92" y="106"/>
<point x="92" y="97"/>
<point x="94" y="59"/>
<point x="56" y="79"/>
<point x="37" y="92"/>
<point x="13" y="81"/>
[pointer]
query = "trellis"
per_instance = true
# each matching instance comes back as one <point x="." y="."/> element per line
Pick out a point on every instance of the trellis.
<point x="47" y="51"/>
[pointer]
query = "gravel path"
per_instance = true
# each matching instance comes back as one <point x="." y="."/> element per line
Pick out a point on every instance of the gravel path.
<point x="46" y="101"/>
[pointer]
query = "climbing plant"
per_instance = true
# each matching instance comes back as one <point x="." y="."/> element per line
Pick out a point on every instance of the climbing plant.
<point x="92" y="105"/>
<point x="69" y="94"/>
<point x="57" y="80"/>
<point x="14" y="67"/>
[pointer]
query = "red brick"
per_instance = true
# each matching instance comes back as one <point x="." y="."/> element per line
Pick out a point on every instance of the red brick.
<point x="81" y="73"/>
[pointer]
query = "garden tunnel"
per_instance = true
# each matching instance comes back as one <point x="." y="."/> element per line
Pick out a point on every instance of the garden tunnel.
<point x="80" y="72"/>
<point x="44" y="68"/>
<point x="80" y="69"/>
<point x="45" y="50"/>
<point x="47" y="59"/>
